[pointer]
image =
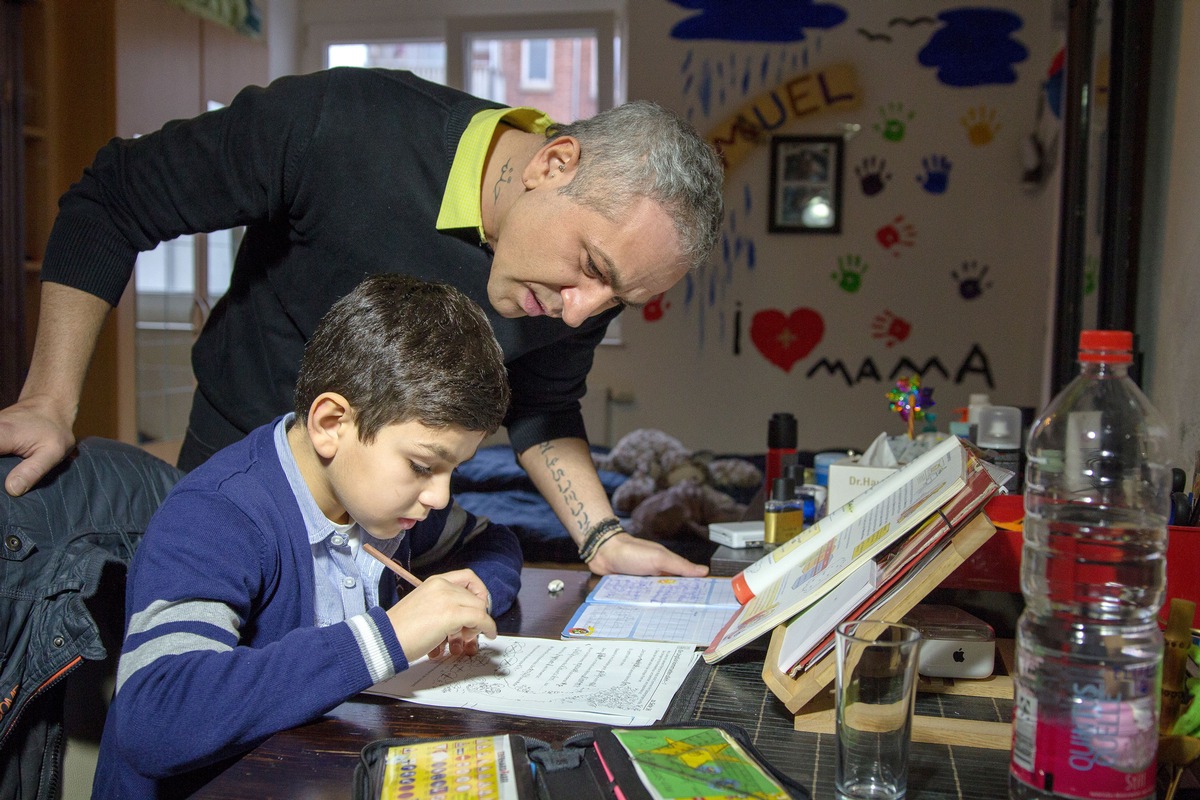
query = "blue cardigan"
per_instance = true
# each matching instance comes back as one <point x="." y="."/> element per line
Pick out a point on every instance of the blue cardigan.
<point x="221" y="650"/>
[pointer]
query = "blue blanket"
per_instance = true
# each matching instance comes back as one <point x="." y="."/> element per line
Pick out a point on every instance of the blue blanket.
<point x="493" y="484"/>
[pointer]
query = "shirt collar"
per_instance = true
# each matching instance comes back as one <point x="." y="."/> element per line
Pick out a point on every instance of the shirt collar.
<point x="316" y="524"/>
<point x="460" y="202"/>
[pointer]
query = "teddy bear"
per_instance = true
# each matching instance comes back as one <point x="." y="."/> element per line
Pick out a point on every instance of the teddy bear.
<point x="671" y="489"/>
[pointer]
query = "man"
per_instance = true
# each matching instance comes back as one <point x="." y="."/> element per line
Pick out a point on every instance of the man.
<point x="552" y="231"/>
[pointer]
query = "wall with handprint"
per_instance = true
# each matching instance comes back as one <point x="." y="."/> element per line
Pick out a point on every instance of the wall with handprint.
<point x="944" y="262"/>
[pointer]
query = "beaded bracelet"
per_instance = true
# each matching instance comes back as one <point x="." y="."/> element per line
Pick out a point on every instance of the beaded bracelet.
<point x="600" y="533"/>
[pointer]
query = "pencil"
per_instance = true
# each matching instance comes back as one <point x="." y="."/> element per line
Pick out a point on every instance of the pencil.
<point x="392" y="565"/>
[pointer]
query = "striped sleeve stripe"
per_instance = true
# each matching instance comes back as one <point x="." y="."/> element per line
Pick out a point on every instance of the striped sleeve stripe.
<point x="162" y="612"/>
<point x="172" y="644"/>
<point x="371" y="645"/>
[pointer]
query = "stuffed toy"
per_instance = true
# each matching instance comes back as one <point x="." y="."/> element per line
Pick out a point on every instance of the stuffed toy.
<point x="672" y="490"/>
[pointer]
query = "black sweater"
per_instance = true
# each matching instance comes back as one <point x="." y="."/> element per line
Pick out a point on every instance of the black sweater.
<point x="336" y="175"/>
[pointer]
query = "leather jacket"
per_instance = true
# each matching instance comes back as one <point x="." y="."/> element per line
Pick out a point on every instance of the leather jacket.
<point x="56" y="540"/>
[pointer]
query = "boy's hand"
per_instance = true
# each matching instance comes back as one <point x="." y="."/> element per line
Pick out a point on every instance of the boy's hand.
<point x="448" y="609"/>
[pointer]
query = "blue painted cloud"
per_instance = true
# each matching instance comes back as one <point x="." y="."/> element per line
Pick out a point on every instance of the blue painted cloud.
<point x="974" y="47"/>
<point x="756" y="20"/>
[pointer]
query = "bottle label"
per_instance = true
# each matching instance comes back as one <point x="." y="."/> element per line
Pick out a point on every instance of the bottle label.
<point x="1105" y="750"/>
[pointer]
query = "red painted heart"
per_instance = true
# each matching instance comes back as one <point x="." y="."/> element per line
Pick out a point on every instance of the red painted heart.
<point x="784" y="340"/>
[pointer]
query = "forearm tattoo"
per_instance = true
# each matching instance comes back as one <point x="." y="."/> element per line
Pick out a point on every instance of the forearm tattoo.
<point x="565" y="489"/>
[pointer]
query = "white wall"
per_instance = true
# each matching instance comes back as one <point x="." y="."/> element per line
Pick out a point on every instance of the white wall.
<point x="680" y="373"/>
<point x="682" y="370"/>
<point x="1170" y="306"/>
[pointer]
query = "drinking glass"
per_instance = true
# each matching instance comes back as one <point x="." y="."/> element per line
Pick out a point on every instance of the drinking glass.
<point x="876" y="680"/>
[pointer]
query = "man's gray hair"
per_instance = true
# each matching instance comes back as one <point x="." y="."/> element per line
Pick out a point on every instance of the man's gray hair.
<point x="641" y="149"/>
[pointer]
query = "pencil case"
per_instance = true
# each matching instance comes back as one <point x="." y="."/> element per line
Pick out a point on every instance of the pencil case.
<point x="700" y="759"/>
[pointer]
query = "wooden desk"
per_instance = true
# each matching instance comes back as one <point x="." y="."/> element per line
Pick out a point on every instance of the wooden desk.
<point x="317" y="761"/>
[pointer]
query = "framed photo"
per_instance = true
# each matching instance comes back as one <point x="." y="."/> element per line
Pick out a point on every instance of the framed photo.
<point x="806" y="184"/>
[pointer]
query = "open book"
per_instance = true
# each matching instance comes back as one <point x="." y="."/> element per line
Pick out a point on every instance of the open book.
<point x="809" y="635"/>
<point x="796" y="576"/>
<point x="650" y="608"/>
<point x="864" y="548"/>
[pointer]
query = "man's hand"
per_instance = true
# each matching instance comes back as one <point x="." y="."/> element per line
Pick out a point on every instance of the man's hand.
<point x="38" y="426"/>
<point x="34" y="430"/>
<point x="446" y="610"/>
<point x="625" y="555"/>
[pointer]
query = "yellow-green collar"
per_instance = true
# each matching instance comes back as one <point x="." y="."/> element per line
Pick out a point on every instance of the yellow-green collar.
<point x="461" y="200"/>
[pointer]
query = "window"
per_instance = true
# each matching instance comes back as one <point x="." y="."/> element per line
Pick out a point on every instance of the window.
<point x="171" y="309"/>
<point x="421" y="57"/>
<point x="537" y="63"/>
<point x="563" y="64"/>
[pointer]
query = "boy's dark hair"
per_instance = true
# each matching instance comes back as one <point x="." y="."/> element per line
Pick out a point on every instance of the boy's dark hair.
<point x="400" y="349"/>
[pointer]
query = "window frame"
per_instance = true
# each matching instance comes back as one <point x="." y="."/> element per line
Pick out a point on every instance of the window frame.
<point x="604" y="26"/>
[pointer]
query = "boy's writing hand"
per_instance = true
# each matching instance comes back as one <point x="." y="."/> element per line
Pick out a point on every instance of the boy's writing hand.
<point x="445" y="610"/>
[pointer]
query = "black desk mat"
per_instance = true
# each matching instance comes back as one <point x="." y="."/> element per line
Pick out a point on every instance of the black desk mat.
<point x="733" y="691"/>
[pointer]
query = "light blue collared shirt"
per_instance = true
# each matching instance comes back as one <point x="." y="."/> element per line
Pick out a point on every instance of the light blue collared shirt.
<point x="346" y="579"/>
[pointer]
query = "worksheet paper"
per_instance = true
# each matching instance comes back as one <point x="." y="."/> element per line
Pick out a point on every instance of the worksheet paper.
<point x="612" y="683"/>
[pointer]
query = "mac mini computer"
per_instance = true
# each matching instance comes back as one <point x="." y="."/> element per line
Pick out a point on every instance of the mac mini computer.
<point x="954" y="644"/>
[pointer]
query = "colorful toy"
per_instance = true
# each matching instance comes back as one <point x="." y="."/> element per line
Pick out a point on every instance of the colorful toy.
<point x="911" y="401"/>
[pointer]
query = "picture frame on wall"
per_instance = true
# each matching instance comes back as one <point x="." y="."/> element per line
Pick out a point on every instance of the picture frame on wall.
<point x="806" y="184"/>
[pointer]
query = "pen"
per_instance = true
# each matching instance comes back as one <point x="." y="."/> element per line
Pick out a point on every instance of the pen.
<point x="392" y="565"/>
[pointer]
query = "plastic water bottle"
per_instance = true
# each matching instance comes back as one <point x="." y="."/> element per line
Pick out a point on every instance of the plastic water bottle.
<point x="1089" y="649"/>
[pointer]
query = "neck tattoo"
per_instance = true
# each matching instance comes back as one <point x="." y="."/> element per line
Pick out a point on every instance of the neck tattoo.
<point x="506" y="176"/>
<point x="506" y="173"/>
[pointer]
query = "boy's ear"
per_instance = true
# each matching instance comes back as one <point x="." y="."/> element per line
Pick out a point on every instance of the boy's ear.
<point x="555" y="160"/>
<point x="329" y="419"/>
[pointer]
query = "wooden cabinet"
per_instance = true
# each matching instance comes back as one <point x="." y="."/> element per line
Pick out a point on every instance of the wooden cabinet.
<point x="15" y="139"/>
<point x="93" y="70"/>
<point x="67" y="99"/>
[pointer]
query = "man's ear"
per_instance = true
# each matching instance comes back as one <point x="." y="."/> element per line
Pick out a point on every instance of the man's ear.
<point x="554" y="161"/>
<point x="330" y="418"/>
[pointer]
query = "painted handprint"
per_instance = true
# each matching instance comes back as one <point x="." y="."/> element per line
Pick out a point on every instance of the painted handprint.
<point x="895" y="121"/>
<point x="890" y="328"/>
<point x="849" y="272"/>
<point x="653" y="311"/>
<point x="872" y="175"/>
<point x="971" y="279"/>
<point x="981" y="125"/>
<point x="937" y="174"/>
<point x="896" y="234"/>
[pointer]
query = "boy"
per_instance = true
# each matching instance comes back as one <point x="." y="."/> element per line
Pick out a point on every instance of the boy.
<point x="251" y="606"/>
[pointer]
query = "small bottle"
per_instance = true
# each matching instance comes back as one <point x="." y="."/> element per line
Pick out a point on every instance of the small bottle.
<point x="811" y="495"/>
<point x="822" y="462"/>
<point x="1089" y="648"/>
<point x="976" y="402"/>
<point x="783" y="513"/>
<point x="781" y="443"/>
<point x="1000" y="434"/>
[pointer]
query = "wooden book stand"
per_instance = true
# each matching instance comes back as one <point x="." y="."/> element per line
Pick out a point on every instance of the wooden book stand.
<point x="809" y="695"/>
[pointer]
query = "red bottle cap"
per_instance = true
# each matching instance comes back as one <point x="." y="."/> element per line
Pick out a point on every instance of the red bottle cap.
<point x="1109" y="347"/>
